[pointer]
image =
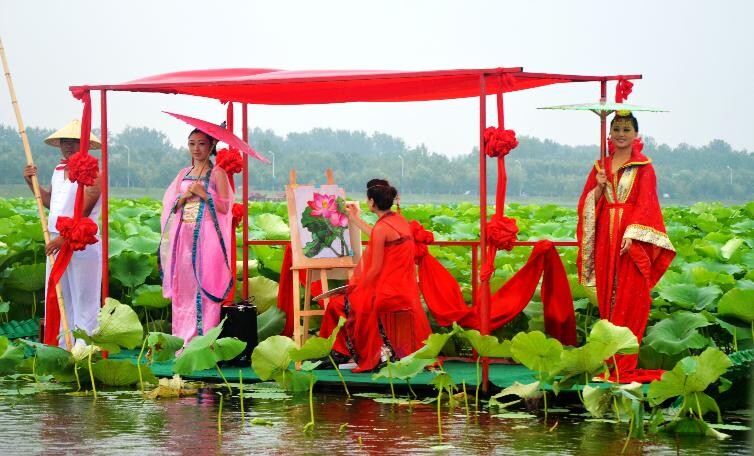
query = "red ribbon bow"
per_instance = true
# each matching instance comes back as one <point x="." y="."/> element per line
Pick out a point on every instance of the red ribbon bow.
<point x="502" y="232"/>
<point x="499" y="142"/>
<point x="83" y="168"/>
<point x="230" y="160"/>
<point x="78" y="233"/>
<point x="237" y="212"/>
<point x="422" y="237"/>
<point x="623" y="90"/>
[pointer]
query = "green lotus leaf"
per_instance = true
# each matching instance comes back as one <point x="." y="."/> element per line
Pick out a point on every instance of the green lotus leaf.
<point x="404" y="369"/>
<point x="317" y="347"/>
<point x="580" y="364"/>
<point x="537" y="352"/>
<point x="273" y="225"/>
<point x="10" y="356"/>
<point x="115" y="246"/>
<point x="203" y="352"/>
<point x="131" y="268"/>
<point x="295" y="381"/>
<point x="227" y="348"/>
<point x="615" y="339"/>
<point x="271" y="358"/>
<point x="524" y="391"/>
<point x="27" y="277"/>
<point x="597" y="401"/>
<point x="118" y="327"/>
<point x="689" y="377"/>
<point x="270" y="323"/>
<point x="444" y="381"/>
<point x="434" y="344"/>
<point x="49" y="359"/>
<point x="163" y="346"/>
<point x="150" y="297"/>
<point x="271" y="257"/>
<point x="689" y="296"/>
<point x="677" y="333"/>
<point x="714" y="266"/>
<point x="730" y="248"/>
<point x="264" y="292"/>
<point x="121" y="372"/>
<point x="737" y="303"/>
<point x="141" y="243"/>
<point x="488" y="346"/>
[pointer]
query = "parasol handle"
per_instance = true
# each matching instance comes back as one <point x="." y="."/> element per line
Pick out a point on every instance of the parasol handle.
<point x="37" y="193"/>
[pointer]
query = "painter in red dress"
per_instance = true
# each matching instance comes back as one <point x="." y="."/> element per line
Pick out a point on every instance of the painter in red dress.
<point x="384" y="281"/>
<point x="623" y="246"/>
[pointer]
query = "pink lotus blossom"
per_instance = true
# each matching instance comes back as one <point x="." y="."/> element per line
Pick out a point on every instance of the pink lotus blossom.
<point x="323" y="205"/>
<point x="338" y="219"/>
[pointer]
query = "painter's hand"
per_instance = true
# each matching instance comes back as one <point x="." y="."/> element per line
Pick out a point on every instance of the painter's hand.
<point x="352" y="210"/>
<point x="53" y="247"/>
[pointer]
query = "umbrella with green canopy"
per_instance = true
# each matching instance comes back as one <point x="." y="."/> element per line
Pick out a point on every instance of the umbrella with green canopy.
<point x="603" y="109"/>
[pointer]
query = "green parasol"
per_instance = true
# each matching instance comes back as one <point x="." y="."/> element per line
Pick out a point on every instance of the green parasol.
<point x="603" y="109"/>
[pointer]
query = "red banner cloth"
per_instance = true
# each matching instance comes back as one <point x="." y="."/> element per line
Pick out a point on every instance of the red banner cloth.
<point x="444" y="300"/>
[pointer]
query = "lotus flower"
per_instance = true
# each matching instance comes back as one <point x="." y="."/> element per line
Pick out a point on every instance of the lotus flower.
<point x="323" y="205"/>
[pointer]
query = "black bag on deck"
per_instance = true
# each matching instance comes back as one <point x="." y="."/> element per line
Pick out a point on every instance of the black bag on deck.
<point x="241" y="323"/>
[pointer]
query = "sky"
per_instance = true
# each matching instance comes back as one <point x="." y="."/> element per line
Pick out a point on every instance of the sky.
<point x="696" y="58"/>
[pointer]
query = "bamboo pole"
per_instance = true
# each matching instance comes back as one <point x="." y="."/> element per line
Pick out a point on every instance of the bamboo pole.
<point x="37" y="193"/>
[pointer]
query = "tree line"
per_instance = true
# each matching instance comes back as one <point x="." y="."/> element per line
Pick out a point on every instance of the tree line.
<point x="143" y="157"/>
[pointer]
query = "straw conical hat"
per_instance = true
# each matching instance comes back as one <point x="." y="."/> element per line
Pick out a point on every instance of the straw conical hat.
<point x="71" y="131"/>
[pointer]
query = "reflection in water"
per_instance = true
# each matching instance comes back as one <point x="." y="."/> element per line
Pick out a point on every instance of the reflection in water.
<point x="124" y="423"/>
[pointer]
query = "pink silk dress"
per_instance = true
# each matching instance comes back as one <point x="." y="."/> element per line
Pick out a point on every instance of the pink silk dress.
<point x="195" y="252"/>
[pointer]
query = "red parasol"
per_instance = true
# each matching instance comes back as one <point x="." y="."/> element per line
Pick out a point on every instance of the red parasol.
<point x="221" y="134"/>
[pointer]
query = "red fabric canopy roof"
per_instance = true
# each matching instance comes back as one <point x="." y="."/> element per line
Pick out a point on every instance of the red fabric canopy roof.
<point x="280" y="87"/>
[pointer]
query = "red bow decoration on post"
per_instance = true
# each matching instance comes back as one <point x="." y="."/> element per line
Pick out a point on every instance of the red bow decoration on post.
<point x="422" y="237"/>
<point x="502" y="232"/>
<point x="499" y="142"/>
<point x="623" y="90"/>
<point x="78" y="233"/>
<point x="83" y="168"/>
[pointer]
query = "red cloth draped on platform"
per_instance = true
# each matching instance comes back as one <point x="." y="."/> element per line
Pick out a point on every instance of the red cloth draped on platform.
<point x="444" y="300"/>
<point x="285" y="289"/>
<point x="76" y="231"/>
<point x="629" y="208"/>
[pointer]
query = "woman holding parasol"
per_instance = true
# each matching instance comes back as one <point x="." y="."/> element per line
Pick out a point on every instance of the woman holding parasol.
<point x="195" y="248"/>
<point x="623" y="246"/>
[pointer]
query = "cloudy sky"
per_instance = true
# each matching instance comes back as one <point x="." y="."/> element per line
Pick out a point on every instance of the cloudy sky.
<point x="697" y="58"/>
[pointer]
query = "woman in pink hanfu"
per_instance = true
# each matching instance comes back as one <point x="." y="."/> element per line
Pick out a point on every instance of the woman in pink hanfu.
<point x="195" y="248"/>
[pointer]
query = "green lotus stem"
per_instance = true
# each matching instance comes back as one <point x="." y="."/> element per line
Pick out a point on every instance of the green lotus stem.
<point x="138" y="364"/>
<point x="34" y="367"/>
<point x="390" y="379"/>
<point x="698" y="407"/>
<point x="76" y="374"/>
<point x="544" y="393"/>
<point x="240" y="382"/>
<point x="223" y="377"/>
<point x="439" y="417"/>
<point x="617" y="371"/>
<point x="630" y="430"/>
<point x="310" y="424"/>
<point x="752" y="329"/>
<point x="33" y="304"/>
<point x="411" y="390"/>
<point x="340" y="375"/>
<point x="465" y="398"/>
<point x="478" y="383"/>
<point x="615" y="407"/>
<point x="220" y="419"/>
<point x="735" y="338"/>
<point x="91" y="376"/>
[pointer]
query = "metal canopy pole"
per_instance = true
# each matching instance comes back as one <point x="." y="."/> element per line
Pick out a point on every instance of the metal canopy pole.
<point x="245" y="221"/>
<point x="484" y="289"/>
<point x="104" y="186"/>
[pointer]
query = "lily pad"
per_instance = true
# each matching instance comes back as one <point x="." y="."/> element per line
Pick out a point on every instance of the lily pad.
<point x="737" y="303"/>
<point x="677" y="333"/>
<point x="270" y="323"/>
<point x="131" y="268"/>
<point x="27" y="277"/>
<point x="119" y="326"/>
<point x="120" y="372"/>
<point x="163" y="346"/>
<point x="272" y="356"/>
<point x="150" y="297"/>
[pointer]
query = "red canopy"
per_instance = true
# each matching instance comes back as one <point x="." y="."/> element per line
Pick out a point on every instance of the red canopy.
<point x="281" y="87"/>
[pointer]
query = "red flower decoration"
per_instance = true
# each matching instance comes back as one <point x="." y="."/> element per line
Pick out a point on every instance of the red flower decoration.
<point x="230" y="160"/>
<point x="499" y="142"/>
<point x="83" y="168"/>
<point x="78" y="233"/>
<point x="237" y="212"/>
<point x="502" y="232"/>
<point x="623" y="90"/>
<point x="422" y="237"/>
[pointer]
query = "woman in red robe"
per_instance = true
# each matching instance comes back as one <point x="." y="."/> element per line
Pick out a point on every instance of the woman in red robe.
<point x="623" y="246"/>
<point x="384" y="281"/>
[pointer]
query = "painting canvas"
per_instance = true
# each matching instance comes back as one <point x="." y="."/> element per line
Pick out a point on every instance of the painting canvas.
<point x="319" y="226"/>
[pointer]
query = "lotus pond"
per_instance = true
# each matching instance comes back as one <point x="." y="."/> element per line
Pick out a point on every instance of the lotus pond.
<point x="123" y="422"/>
